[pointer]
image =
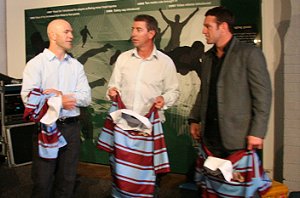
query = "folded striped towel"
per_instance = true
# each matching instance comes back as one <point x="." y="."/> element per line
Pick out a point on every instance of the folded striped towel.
<point x="44" y="108"/>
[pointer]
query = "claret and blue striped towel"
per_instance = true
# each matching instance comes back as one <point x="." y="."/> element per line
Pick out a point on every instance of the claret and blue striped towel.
<point x="44" y="108"/>
<point x="135" y="157"/>
<point x="248" y="176"/>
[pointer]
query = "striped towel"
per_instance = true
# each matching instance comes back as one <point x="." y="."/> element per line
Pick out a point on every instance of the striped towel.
<point x="50" y="138"/>
<point x="248" y="176"/>
<point x="36" y="106"/>
<point x="135" y="159"/>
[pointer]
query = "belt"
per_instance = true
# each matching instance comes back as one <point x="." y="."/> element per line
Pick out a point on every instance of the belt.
<point x="67" y="120"/>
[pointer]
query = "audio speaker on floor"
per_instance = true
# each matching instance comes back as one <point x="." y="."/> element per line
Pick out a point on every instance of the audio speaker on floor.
<point x="20" y="143"/>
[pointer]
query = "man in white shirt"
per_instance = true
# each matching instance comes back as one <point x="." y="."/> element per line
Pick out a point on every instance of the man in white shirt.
<point x="144" y="76"/>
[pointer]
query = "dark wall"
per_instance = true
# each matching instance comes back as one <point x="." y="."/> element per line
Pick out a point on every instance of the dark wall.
<point x="246" y="11"/>
<point x="248" y="19"/>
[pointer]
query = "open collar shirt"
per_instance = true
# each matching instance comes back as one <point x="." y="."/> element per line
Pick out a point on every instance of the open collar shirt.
<point x="139" y="81"/>
<point x="46" y="71"/>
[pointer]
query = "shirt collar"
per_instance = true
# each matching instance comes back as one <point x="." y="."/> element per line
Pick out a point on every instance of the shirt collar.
<point x="51" y="56"/>
<point x="214" y="49"/>
<point x="152" y="55"/>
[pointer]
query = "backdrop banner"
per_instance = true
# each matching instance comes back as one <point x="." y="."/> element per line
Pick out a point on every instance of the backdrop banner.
<point x="102" y="31"/>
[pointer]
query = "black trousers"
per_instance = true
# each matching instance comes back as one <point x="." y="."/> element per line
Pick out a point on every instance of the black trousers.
<point x="56" y="177"/>
<point x="213" y="140"/>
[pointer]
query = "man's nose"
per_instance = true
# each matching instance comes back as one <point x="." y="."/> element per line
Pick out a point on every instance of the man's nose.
<point x="133" y="33"/>
<point x="71" y="36"/>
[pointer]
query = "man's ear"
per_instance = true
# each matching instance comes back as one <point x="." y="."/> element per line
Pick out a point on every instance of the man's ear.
<point x="225" y="26"/>
<point x="152" y="33"/>
<point x="52" y="36"/>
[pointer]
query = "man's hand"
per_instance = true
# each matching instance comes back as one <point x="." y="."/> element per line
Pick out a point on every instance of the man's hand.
<point x="112" y="93"/>
<point x="56" y="92"/>
<point x="195" y="130"/>
<point x="159" y="102"/>
<point x="254" y="142"/>
<point x="68" y="102"/>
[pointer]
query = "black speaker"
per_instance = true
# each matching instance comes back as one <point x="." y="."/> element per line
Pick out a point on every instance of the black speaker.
<point x="295" y="194"/>
<point x="20" y="143"/>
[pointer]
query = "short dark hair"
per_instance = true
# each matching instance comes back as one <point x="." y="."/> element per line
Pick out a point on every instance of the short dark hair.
<point x="150" y="21"/>
<point x="223" y="15"/>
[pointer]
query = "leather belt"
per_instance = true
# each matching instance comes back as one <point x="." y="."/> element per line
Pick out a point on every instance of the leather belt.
<point x="68" y="120"/>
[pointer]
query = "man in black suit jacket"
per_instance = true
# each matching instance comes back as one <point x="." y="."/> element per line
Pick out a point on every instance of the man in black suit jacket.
<point x="233" y="106"/>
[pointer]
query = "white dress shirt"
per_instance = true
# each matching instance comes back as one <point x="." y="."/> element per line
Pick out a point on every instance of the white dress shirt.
<point x="139" y="81"/>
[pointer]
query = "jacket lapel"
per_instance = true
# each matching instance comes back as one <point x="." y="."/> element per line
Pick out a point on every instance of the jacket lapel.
<point x="226" y="64"/>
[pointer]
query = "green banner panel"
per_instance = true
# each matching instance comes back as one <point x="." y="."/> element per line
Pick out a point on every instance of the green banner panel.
<point x="101" y="32"/>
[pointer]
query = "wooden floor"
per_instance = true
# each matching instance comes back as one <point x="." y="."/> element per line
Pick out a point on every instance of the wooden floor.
<point x="93" y="181"/>
<point x="169" y="182"/>
<point x="94" y="171"/>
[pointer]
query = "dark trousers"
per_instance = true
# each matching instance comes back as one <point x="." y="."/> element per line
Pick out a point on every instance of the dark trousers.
<point x="212" y="139"/>
<point x="56" y="177"/>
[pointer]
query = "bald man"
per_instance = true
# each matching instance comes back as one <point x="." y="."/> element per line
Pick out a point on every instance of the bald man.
<point x="55" y="72"/>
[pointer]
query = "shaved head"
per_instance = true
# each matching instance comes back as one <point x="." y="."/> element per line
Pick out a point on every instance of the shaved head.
<point x="56" y="25"/>
<point x="60" y="36"/>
